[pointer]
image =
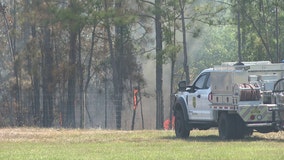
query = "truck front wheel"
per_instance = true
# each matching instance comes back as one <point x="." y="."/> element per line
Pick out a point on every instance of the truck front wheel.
<point x="180" y="126"/>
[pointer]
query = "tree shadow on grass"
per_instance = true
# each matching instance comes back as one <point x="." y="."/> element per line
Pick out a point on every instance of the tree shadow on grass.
<point x="215" y="138"/>
<point x="267" y="139"/>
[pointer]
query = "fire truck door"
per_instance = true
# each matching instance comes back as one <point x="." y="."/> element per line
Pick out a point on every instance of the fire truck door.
<point x="198" y="103"/>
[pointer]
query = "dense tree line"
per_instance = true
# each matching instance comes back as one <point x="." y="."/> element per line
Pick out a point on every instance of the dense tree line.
<point x="53" y="51"/>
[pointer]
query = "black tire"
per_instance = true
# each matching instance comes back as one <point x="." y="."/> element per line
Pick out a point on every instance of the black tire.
<point x="180" y="126"/>
<point x="226" y="127"/>
<point x="240" y="128"/>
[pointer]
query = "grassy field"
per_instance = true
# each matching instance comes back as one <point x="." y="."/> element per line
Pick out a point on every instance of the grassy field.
<point x="35" y="143"/>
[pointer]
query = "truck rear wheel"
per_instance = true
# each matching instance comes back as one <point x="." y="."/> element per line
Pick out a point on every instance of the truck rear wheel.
<point x="240" y="130"/>
<point x="180" y="126"/>
<point x="225" y="126"/>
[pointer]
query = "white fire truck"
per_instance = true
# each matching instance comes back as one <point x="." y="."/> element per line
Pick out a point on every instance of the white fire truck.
<point x="236" y="98"/>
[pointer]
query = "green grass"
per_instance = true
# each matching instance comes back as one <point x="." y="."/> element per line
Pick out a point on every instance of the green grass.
<point x="35" y="143"/>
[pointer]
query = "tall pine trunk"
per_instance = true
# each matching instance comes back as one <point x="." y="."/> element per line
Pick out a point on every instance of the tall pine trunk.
<point x="117" y="69"/>
<point x="47" y="81"/>
<point x="159" y="67"/>
<point x="81" y="84"/>
<point x="70" y="117"/>
<point x="17" y="66"/>
<point x="185" y="59"/>
<point x="111" y="50"/>
<point x="36" y="86"/>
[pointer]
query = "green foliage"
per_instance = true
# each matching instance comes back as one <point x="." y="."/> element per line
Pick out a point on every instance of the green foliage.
<point x="125" y="19"/>
<point x="72" y="17"/>
<point x="218" y="45"/>
<point x="258" y="33"/>
<point x="259" y="28"/>
<point x="171" y="52"/>
<point x="211" y="13"/>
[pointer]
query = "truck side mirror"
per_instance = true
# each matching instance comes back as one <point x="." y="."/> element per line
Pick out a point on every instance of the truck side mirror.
<point x="182" y="86"/>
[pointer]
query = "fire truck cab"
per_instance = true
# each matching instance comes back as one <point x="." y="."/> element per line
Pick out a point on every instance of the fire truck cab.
<point x="238" y="99"/>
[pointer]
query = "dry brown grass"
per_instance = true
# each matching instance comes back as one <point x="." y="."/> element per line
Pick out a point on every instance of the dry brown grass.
<point x="70" y="135"/>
